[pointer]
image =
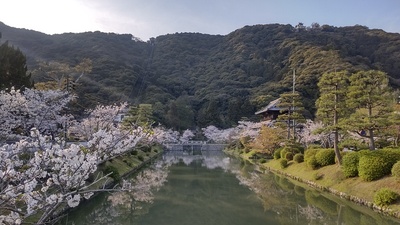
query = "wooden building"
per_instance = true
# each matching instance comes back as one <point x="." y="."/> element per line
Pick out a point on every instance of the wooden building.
<point x="271" y="111"/>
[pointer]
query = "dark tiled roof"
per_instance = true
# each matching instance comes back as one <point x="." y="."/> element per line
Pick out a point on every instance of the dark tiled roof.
<point x="272" y="106"/>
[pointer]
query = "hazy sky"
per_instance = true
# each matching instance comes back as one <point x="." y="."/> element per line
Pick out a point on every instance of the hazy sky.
<point x="151" y="18"/>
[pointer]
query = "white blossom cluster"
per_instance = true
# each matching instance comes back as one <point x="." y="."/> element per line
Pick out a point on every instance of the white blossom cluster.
<point x="162" y="135"/>
<point x="309" y="134"/>
<point x="219" y="136"/>
<point x="186" y="136"/>
<point x="244" y="129"/>
<point x="41" y="171"/>
<point x="100" y="118"/>
<point x="21" y="111"/>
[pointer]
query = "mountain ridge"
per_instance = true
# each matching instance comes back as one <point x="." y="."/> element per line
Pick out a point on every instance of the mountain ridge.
<point x="211" y="79"/>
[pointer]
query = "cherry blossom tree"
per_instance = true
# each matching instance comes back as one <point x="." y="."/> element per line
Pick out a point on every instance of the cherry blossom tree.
<point x="162" y="135"/>
<point x="186" y="136"/>
<point x="40" y="174"/>
<point x="216" y="135"/>
<point x="44" y="110"/>
<point x="312" y="133"/>
<point x="250" y="129"/>
<point x="41" y="183"/>
<point x="102" y="117"/>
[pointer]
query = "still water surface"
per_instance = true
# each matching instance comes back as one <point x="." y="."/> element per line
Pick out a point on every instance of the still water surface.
<point x="214" y="189"/>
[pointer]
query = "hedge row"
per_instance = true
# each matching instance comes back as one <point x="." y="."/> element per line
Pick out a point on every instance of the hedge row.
<point x="370" y="165"/>
<point x="316" y="158"/>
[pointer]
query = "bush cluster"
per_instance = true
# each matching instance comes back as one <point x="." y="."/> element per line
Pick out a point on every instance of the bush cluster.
<point x="372" y="167"/>
<point x="289" y="156"/>
<point x="310" y="153"/>
<point x="316" y="158"/>
<point x="350" y="164"/>
<point x="312" y="163"/>
<point x="299" y="158"/>
<point x="325" y="157"/>
<point x="396" y="169"/>
<point x="283" y="163"/>
<point x="385" y="196"/>
<point x="377" y="164"/>
<point x="282" y="153"/>
<point x="277" y="153"/>
<point x="288" y="151"/>
<point x="294" y="147"/>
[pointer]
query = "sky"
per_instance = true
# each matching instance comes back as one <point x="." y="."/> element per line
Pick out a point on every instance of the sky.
<point x="151" y="18"/>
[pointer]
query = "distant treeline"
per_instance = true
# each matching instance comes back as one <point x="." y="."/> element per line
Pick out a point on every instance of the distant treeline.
<point x="194" y="80"/>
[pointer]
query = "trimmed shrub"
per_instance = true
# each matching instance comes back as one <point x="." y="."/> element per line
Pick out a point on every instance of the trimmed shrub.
<point x="289" y="156"/>
<point x="263" y="160"/>
<point x="299" y="158"/>
<point x="294" y="147"/>
<point x="277" y="154"/>
<point x="325" y="157"/>
<point x="350" y="164"/>
<point x="385" y="196"/>
<point x="309" y="153"/>
<point x="312" y="162"/>
<point x="392" y="155"/>
<point x="373" y="166"/>
<point x="283" y="153"/>
<point x="396" y="169"/>
<point x="284" y="163"/>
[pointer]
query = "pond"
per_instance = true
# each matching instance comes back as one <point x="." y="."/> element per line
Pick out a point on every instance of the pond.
<point x="214" y="189"/>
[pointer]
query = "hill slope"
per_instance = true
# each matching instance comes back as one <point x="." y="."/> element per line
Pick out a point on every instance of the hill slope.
<point x="195" y="79"/>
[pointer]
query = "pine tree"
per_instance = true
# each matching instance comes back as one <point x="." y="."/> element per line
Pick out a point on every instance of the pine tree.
<point x="331" y="105"/>
<point x="141" y="115"/>
<point x="13" y="69"/>
<point x="292" y="112"/>
<point x="370" y="96"/>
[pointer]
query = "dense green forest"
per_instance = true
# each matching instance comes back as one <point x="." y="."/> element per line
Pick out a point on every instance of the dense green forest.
<point x="194" y="80"/>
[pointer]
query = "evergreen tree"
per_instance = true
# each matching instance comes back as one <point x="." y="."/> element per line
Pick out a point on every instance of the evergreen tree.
<point x="141" y="115"/>
<point x="13" y="69"/>
<point x="331" y="105"/>
<point x="370" y="96"/>
<point x="292" y="112"/>
<point x="180" y="115"/>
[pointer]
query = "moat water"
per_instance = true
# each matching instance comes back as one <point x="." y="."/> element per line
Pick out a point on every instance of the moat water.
<point x="214" y="189"/>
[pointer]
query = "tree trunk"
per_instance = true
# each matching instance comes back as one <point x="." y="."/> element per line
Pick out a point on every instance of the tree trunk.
<point x="371" y="139"/>
<point x="336" y="148"/>
<point x="371" y="131"/>
<point x="336" y="132"/>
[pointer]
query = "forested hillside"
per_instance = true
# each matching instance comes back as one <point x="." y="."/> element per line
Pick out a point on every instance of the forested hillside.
<point x="193" y="80"/>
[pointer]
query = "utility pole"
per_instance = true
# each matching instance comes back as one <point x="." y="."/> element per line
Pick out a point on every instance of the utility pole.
<point x="294" y="85"/>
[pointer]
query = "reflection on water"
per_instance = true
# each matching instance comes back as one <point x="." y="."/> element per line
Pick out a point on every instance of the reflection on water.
<point x="212" y="188"/>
